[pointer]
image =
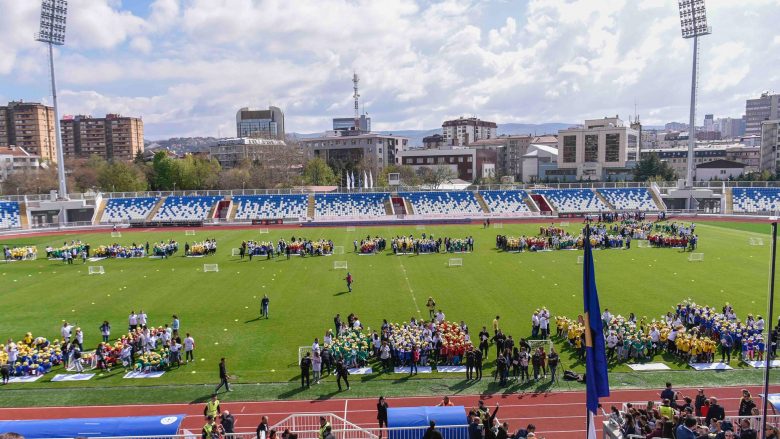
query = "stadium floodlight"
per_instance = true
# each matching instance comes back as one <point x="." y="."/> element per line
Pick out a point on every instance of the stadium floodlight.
<point x="53" y="16"/>
<point x="693" y="24"/>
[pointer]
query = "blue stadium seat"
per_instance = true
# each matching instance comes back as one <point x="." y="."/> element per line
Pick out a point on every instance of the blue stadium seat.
<point x="755" y="199"/>
<point x="573" y="200"/>
<point x="629" y="198"/>
<point x="9" y="215"/>
<point x="443" y="203"/>
<point x="250" y="207"/>
<point x="120" y="210"/>
<point x="186" y="208"/>
<point x="510" y="201"/>
<point x="361" y="204"/>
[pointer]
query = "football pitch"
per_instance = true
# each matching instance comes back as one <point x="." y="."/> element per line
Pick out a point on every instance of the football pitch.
<point x="221" y="309"/>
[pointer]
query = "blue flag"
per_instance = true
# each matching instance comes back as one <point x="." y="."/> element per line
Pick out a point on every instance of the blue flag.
<point x="596" y="380"/>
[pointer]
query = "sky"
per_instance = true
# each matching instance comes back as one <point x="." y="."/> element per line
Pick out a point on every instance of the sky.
<point x="187" y="66"/>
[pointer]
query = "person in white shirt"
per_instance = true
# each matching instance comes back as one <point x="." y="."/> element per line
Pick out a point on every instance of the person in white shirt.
<point x="440" y="316"/>
<point x="315" y="347"/>
<point x="12" y="351"/>
<point x="142" y="319"/>
<point x="655" y="337"/>
<point x="535" y="325"/>
<point x="328" y="339"/>
<point x="65" y="332"/>
<point x="80" y="338"/>
<point x="606" y="316"/>
<point x="356" y="324"/>
<point x="612" y="341"/>
<point x="760" y="324"/>
<point x="544" y="325"/>
<point x="189" y="347"/>
<point x="175" y="356"/>
<point x="132" y="321"/>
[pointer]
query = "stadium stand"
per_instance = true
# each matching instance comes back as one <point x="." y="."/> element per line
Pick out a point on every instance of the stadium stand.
<point x="629" y="198"/>
<point x="186" y="208"/>
<point x="573" y="200"/>
<point x="443" y="203"/>
<point x="250" y="207"/>
<point x="368" y="204"/>
<point x="127" y="209"/>
<point x="755" y="199"/>
<point x="9" y="215"/>
<point x="511" y="201"/>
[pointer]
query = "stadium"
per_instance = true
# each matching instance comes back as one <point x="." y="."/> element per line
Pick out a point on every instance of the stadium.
<point x="201" y="263"/>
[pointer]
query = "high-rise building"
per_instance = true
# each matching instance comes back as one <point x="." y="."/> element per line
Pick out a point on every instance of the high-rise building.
<point x="599" y="150"/>
<point x="29" y="125"/>
<point x="676" y="126"/>
<point x="730" y="127"/>
<point x="263" y="124"/>
<point x="348" y="123"/>
<point x="770" y="146"/>
<point x="709" y="123"/>
<point x="463" y="131"/>
<point x="759" y="110"/>
<point x="113" y="137"/>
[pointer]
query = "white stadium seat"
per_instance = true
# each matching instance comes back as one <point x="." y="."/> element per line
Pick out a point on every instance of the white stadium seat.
<point x="443" y="203"/>
<point x="186" y="208"/>
<point x="510" y="201"/>
<point x="629" y="198"/>
<point x="249" y="207"/>
<point x="755" y="199"/>
<point x="362" y="204"/>
<point x="9" y="215"/>
<point x="122" y="210"/>
<point x="573" y="200"/>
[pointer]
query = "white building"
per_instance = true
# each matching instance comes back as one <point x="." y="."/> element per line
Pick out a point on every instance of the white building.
<point x="232" y="152"/>
<point x="14" y="159"/>
<point x="348" y="150"/>
<point x="537" y="160"/>
<point x="719" y="170"/>
<point x="599" y="150"/>
<point x="463" y="131"/>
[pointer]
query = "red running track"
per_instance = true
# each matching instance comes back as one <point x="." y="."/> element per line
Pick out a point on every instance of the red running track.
<point x="556" y="415"/>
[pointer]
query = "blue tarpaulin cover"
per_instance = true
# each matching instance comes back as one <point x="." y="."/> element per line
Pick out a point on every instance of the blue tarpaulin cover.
<point x="421" y="416"/>
<point x="95" y="427"/>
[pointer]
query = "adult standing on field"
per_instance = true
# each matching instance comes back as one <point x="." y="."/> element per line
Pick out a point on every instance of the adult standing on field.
<point x="264" y="306"/>
<point x="189" y="347"/>
<point x="223" y="376"/>
<point x="349" y="281"/>
<point x="342" y="374"/>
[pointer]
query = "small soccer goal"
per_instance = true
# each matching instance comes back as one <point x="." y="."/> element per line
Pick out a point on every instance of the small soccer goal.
<point x="189" y="233"/>
<point x="536" y="344"/>
<point x="96" y="269"/>
<point x="498" y="225"/>
<point x="235" y="252"/>
<point x="116" y="234"/>
<point x="455" y="262"/>
<point x="641" y="243"/>
<point x="421" y="227"/>
<point x="263" y="231"/>
<point x="339" y="265"/>
<point x="302" y="351"/>
<point x="696" y="257"/>
<point x="350" y="229"/>
<point x="756" y="241"/>
<point x="564" y="224"/>
<point x="211" y="267"/>
<point x="338" y="250"/>
<point x="580" y="259"/>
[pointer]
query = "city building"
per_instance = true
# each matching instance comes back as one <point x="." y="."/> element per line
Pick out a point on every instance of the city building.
<point x="466" y="163"/>
<point x="463" y="131"/>
<point x="708" y="135"/>
<point x="348" y="123"/>
<point x="264" y="124"/>
<point x="601" y="149"/>
<point x="29" y="125"/>
<point x="434" y="141"/>
<point x="731" y="128"/>
<point x="344" y="151"/>
<point x="770" y="146"/>
<point x="272" y="153"/>
<point x="540" y="163"/>
<point x="719" y="170"/>
<point x="758" y="110"/>
<point x="677" y="158"/>
<point x="15" y="159"/>
<point x="709" y="123"/>
<point x="676" y="126"/>
<point x="510" y="150"/>
<point x="113" y="137"/>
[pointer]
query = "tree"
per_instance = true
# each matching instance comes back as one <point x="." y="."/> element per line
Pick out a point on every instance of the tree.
<point x="166" y="172"/>
<point x="121" y="176"/>
<point x="405" y="172"/>
<point x="28" y="181"/>
<point x="435" y="176"/>
<point x="318" y="173"/>
<point x="651" y="167"/>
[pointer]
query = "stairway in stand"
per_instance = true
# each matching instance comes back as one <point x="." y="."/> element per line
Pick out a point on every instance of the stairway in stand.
<point x="481" y="202"/>
<point x="311" y="206"/>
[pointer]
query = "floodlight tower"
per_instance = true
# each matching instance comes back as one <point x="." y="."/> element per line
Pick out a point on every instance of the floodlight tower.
<point x="356" y="96"/>
<point x="52" y="32"/>
<point x="693" y="23"/>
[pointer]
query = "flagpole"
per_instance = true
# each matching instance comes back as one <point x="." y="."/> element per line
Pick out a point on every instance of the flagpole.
<point x="768" y="346"/>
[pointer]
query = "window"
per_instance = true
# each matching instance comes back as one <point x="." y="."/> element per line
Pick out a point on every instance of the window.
<point x="380" y="150"/>
<point x="452" y="159"/>
<point x="569" y="149"/>
<point x="612" y="150"/>
<point x="469" y="159"/>
<point x="419" y="160"/>
<point x="440" y="160"/>
<point x="460" y="159"/>
<point x="429" y="160"/>
<point x="591" y="148"/>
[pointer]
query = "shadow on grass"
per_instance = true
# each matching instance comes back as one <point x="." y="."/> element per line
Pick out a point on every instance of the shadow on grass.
<point x="256" y="319"/>
<point x="341" y="293"/>
<point x="201" y="399"/>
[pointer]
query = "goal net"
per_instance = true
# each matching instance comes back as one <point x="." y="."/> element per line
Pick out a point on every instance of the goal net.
<point x="455" y="262"/>
<point x="338" y="250"/>
<point x="264" y="230"/>
<point x="643" y="244"/>
<point x="189" y="233"/>
<point x="339" y="265"/>
<point x="498" y="225"/>
<point x="211" y="267"/>
<point x="564" y="224"/>
<point x="302" y="351"/>
<point x="420" y="227"/>
<point x="536" y="344"/>
<point x="235" y="252"/>
<point x="116" y="234"/>
<point x="350" y="229"/>
<point x="580" y="259"/>
<point x="96" y="269"/>
<point x="696" y="257"/>
<point x="756" y="241"/>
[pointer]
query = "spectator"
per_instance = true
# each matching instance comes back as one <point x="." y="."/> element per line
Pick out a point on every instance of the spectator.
<point x="746" y="404"/>
<point x="432" y="432"/>
<point x="669" y="394"/>
<point x="228" y="422"/>
<point x="699" y="402"/>
<point x="262" y="428"/>
<point x="686" y="429"/>
<point x="746" y="431"/>
<point x="523" y="433"/>
<point x="715" y="411"/>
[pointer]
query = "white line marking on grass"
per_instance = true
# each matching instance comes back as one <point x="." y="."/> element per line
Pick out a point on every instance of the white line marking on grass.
<point x="409" y="285"/>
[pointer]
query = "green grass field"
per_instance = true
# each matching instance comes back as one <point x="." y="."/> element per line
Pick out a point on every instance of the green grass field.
<point x="221" y="309"/>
